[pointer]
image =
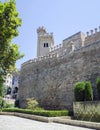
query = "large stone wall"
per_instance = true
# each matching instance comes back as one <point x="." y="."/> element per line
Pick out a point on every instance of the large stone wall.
<point x="51" y="81"/>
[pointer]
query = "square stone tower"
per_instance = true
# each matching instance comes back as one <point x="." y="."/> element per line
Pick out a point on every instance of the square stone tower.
<point x="44" y="42"/>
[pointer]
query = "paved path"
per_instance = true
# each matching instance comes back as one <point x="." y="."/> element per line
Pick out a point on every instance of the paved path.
<point x="17" y="123"/>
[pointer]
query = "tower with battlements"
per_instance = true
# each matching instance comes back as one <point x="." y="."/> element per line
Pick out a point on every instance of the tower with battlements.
<point x="44" y="42"/>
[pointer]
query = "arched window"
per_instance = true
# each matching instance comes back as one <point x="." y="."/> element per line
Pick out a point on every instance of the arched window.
<point x="46" y="45"/>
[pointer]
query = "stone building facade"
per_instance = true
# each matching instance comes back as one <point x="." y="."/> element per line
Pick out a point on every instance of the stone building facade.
<point x="50" y="78"/>
<point x="7" y="85"/>
<point x="15" y="84"/>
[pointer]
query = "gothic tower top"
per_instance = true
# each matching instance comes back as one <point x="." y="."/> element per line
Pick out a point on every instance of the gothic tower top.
<point x="44" y="42"/>
<point x="41" y="30"/>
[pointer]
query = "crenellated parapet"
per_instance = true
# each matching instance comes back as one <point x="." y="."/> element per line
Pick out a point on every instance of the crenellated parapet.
<point x="95" y="31"/>
<point x="42" y="32"/>
<point x="56" y="47"/>
<point x="92" y="36"/>
<point x="39" y="60"/>
<point x="56" y="52"/>
<point x="69" y="45"/>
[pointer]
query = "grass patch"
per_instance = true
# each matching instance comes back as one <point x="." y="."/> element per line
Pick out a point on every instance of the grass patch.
<point x="47" y="113"/>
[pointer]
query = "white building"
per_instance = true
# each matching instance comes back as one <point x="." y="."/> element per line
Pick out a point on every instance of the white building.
<point x="15" y="84"/>
<point x="8" y="84"/>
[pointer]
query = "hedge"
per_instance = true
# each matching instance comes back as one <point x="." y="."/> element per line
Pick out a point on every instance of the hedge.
<point x="88" y="92"/>
<point x="79" y="91"/>
<point x="47" y="113"/>
<point x="83" y="91"/>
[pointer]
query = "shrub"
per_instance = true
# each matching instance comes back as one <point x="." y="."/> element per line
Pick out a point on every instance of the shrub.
<point x="32" y="104"/>
<point x="79" y="91"/>
<point x="9" y="105"/>
<point x="88" y="93"/>
<point x="47" y="113"/>
<point x="98" y="86"/>
<point x="2" y="103"/>
<point x="83" y="91"/>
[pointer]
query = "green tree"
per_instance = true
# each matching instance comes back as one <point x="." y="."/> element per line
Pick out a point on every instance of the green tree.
<point x="88" y="92"/>
<point x="98" y="86"/>
<point x="9" y="23"/>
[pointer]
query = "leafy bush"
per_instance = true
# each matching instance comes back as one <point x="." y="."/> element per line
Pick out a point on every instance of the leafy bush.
<point x="98" y="86"/>
<point x="2" y="103"/>
<point x="79" y="91"/>
<point x="5" y="104"/>
<point x="32" y="104"/>
<point x="88" y="93"/>
<point x="9" y="105"/>
<point x="47" y="113"/>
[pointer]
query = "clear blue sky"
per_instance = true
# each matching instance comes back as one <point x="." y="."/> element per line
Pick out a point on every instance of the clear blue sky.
<point x="62" y="17"/>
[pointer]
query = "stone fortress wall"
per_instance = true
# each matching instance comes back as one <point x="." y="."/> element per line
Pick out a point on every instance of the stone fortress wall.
<point x="69" y="45"/>
<point x="50" y="79"/>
